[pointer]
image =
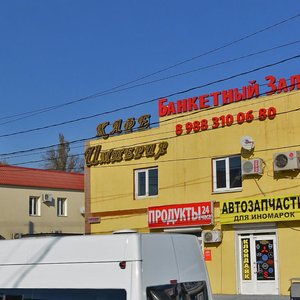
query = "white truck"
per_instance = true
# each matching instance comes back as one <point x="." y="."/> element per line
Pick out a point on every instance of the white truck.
<point x="127" y="266"/>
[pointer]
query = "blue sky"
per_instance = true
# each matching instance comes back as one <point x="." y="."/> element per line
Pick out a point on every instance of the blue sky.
<point x="60" y="51"/>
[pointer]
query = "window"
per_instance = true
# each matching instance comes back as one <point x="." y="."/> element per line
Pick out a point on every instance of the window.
<point x="181" y="291"/>
<point x="227" y="174"/>
<point x="61" y="207"/>
<point x="34" y="206"/>
<point x="146" y="182"/>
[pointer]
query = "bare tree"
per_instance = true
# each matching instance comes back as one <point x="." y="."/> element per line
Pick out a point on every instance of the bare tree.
<point x="61" y="159"/>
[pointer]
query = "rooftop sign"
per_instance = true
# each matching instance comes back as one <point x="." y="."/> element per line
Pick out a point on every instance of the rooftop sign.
<point x="220" y="98"/>
<point x="94" y="156"/>
<point x="120" y="126"/>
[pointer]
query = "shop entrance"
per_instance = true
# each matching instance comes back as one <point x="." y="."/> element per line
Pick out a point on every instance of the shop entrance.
<point x="258" y="259"/>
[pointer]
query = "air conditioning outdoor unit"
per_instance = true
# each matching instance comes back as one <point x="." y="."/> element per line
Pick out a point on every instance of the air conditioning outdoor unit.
<point x="252" y="166"/>
<point x="287" y="161"/>
<point x="82" y="210"/>
<point x="47" y="197"/>
<point x="212" y="236"/>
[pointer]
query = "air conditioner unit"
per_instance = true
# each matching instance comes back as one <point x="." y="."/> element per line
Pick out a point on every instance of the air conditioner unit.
<point x="212" y="236"/>
<point x="47" y="197"/>
<point x="16" y="235"/>
<point x="286" y="161"/>
<point x="252" y="166"/>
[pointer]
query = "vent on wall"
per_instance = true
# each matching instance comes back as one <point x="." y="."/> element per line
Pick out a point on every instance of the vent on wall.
<point x="286" y="161"/>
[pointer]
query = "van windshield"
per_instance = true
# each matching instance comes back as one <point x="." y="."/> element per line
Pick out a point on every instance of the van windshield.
<point x="62" y="294"/>
<point x="180" y="291"/>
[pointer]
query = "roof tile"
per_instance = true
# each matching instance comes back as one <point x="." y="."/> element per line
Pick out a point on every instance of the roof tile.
<point x="20" y="176"/>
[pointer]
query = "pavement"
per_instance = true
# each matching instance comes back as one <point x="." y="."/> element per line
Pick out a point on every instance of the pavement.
<point x="250" y="297"/>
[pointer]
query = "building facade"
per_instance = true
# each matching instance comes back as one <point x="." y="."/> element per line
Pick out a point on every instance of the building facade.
<point x="37" y="202"/>
<point x="223" y="166"/>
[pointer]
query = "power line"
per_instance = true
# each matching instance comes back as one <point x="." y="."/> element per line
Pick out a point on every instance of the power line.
<point x="214" y="65"/>
<point x="169" y="77"/>
<point x="46" y="109"/>
<point x="154" y="123"/>
<point x="152" y="100"/>
<point x="164" y="161"/>
<point x="45" y="147"/>
<point x="173" y="137"/>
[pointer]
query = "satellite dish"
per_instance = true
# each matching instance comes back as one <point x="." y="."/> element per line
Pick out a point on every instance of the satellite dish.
<point x="247" y="142"/>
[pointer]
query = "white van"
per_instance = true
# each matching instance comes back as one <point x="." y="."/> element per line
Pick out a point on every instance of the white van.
<point x="129" y="266"/>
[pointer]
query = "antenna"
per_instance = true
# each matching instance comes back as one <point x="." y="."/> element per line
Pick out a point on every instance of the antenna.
<point x="247" y="142"/>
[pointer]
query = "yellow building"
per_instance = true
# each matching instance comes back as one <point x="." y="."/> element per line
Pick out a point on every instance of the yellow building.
<point x="223" y="166"/>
